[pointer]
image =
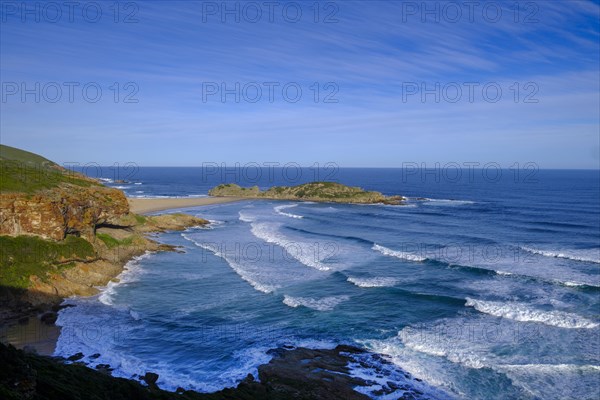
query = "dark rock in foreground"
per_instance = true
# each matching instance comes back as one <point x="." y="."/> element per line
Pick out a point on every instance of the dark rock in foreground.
<point x="291" y="374"/>
<point x="312" y="374"/>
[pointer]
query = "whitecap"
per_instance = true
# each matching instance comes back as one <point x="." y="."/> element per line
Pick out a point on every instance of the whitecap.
<point x="284" y="207"/>
<point x="131" y="272"/>
<point x="447" y="202"/>
<point x="307" y="253"/>
<point x="523" y="313"/>
<point x="373" y="282"/>
<point x="379" y="376"/>
<point x="322" y="304"/>
<point x="245" y="217"/>
<point x="247" y="275"/>
<point x="555" y="381"/>
<point x="575" y="255"/>
<point x="398" y="254"/>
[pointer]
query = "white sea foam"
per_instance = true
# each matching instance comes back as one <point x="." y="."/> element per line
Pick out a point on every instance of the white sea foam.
<point x="245" y="217"/>
<point x="285" y="207"/>
<point x="576" y="284"/>
<point x="246" y="274"/>
<point x="555" y="381"/>
<point x="553" y="367"/>
<point x="387" y="381"/>
<point x="135" y="315"/>
<point x="524" y="313"/>
<point x="137" y="183"/>
<point x="427" y="369"/>
<point x="447" y="202"/>
<point x="373" y="282"/>
<point x="322" y="304"/>
<point x="79" y="335"/>
<point x="432" y="342"/>
<point x="503" y="273"/>
<point x="130" y="273"/>
<point x="121" y="187"/>
<point x="424" y="350"/>
<point x="398" y="254"/>
<point x="592" y="256"/>
<point x="213" y="223"/>
<point x="307" y="253"/>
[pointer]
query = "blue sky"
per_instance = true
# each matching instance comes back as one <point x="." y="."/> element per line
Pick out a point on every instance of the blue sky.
<point x="373" y="58"/>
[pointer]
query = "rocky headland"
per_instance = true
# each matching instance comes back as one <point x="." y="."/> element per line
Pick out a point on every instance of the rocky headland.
<point x="63" y="234"/>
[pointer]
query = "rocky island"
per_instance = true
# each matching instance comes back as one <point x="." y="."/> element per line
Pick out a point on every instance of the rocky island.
<point x="314" y="191"/>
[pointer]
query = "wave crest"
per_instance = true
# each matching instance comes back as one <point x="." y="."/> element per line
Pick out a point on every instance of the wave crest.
<point x="373" y="282"/>
<point x="398" y="254"/>
<point x="305" y="253"/>
<point x="322" y="304"/>
<point x="523" y="313"/>
<point x="567" y="254"/>
<point x="285" y="207"/>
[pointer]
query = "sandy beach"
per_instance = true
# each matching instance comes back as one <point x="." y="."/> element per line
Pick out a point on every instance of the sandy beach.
<point x="148" y="205"/>
<point x="33" y="333"/>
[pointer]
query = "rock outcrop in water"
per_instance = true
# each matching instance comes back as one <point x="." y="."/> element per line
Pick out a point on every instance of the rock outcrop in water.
<point x="301" y="373"/>
<point x="314" y="191"/>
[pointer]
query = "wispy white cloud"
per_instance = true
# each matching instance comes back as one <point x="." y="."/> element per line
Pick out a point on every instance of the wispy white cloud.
<point x="370" y="53"/>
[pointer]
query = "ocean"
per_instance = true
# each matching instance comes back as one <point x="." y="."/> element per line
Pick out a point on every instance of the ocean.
<point x="484" y="285"/>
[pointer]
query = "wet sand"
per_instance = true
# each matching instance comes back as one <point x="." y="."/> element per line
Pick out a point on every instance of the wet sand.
<point x="32" y="333"/>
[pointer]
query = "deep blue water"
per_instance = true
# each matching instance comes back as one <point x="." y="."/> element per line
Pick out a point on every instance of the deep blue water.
<point x="487" y="286"/>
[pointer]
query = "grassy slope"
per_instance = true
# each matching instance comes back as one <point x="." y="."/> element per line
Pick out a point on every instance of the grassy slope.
<point x="24" y="256"/>
<point x="12" y="153"/>
<point x="22" y="171"/>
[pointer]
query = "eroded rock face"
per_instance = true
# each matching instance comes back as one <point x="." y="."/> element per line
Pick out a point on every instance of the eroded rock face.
<point x="54" y="213"/>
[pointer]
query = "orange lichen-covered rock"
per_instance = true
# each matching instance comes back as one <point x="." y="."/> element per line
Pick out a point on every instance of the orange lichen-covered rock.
<point x="56" y="212"/>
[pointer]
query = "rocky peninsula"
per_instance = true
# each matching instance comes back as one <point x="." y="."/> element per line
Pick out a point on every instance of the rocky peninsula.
<point x="63" y="234"/>
<point x="314" y="191"/>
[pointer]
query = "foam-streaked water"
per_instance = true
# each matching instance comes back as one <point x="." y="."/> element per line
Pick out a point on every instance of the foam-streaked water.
<point x="481" y="289"/>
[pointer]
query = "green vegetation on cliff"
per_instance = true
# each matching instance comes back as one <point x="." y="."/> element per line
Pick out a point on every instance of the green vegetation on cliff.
<point x="112" y="242"/>
<point x="26" y="256"/>
<point x="25" y="172"/>
<point x="62" y="233"/>
<point x="314" y="191"/>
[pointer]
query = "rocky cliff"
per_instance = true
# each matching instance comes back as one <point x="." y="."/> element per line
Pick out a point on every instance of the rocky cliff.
<point x="314" y="191"/>
<point x="57" y="212"/>
<point x="63" y="234"/>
